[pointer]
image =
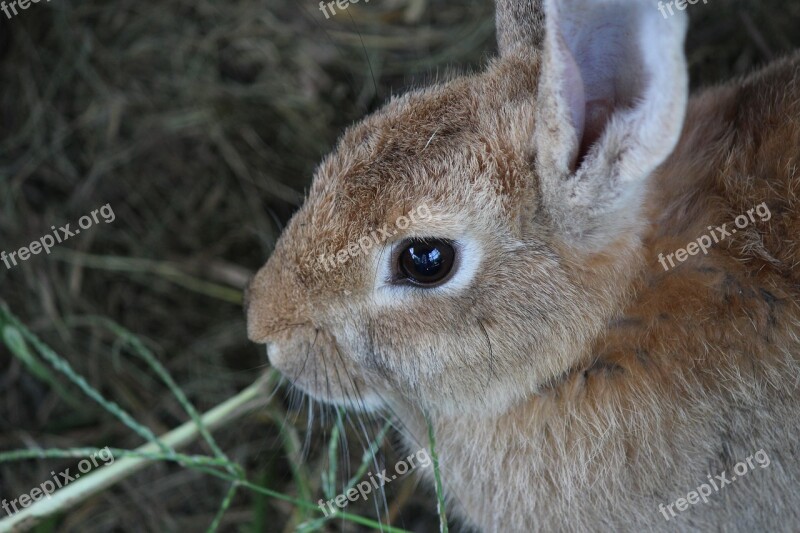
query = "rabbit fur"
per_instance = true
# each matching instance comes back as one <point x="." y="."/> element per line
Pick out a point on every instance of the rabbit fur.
<point x="572" y="382"/>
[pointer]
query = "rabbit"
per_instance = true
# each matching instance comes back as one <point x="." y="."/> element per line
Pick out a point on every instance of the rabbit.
<point x="582" y="365"/>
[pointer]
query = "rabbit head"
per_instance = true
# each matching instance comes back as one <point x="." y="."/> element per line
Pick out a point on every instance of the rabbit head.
<point x="462" y="246"/>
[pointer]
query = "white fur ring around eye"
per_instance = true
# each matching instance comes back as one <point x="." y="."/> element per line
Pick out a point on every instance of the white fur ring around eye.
<point x="391" y="290"/>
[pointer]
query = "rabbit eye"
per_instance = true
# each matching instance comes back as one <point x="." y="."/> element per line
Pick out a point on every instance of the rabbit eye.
<point x="426" y="262"/>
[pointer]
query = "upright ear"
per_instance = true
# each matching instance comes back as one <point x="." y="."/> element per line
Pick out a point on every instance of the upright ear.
<point x="612" y="97"/>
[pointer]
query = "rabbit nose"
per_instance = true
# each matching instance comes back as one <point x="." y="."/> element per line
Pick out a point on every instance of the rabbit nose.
<point x="260" y="315"/>
<point x="271" y="305"/>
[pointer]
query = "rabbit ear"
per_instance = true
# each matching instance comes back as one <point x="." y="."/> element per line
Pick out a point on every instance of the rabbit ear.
<point x="611" y="103"/>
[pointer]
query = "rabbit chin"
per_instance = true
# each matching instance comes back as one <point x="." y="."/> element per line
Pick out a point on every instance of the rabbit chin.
<point x="324" y="381"/>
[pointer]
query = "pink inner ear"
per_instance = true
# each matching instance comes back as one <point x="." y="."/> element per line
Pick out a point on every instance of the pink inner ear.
<point x="573" y="90"/>
<point x="589" y="118"/>
<point x="598" y="113"/>
<point x="601" y="70"/>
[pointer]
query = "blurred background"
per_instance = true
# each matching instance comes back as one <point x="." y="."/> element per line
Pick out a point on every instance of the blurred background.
<point x="200" y="122"/>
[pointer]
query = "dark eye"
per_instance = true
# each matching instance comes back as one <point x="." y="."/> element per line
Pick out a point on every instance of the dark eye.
<point x="426" y="262"/>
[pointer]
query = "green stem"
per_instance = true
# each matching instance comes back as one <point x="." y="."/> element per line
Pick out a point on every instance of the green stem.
<point x="437" y="476"/>
<point x="87" y="486"/>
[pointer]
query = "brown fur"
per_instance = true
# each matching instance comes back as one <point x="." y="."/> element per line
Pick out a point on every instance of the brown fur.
<point x="570" y="388"/>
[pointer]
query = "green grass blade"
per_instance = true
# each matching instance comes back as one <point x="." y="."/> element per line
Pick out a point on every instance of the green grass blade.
<point x="146" y="355"/>
<point x="439" y="491"/>
<point x="60" y="364"/>
<point x="15" y="342"/>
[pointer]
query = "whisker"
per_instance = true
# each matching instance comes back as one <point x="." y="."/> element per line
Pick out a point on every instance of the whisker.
<point x="368" y="440"/>
<point x="338" y="50"/>
<point x="366" y="54"/>
<point x="491" y="353"/>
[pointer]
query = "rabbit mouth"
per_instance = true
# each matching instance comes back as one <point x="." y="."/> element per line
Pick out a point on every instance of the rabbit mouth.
<point x="314" y="364"/>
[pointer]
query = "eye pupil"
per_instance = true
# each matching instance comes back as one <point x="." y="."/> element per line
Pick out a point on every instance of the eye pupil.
<point x="427" y="259"/>
<point x="426" y="262"/>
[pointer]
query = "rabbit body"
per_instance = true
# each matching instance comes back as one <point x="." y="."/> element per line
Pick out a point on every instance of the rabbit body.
<point x="577" y="376"/>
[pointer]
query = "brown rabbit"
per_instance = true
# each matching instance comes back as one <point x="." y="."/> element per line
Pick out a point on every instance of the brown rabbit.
<point x="599" y="313"/>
